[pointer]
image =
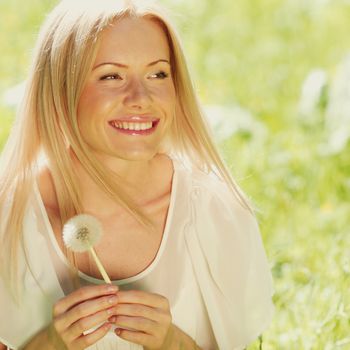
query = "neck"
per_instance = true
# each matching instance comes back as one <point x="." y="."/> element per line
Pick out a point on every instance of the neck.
<point x="140" y="182"/>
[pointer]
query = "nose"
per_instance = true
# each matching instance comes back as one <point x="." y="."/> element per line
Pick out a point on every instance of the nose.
<point x="137" y="95"/>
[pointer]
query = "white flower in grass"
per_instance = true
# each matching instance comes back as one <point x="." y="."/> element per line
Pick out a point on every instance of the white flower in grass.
<point x="82" y="232"/>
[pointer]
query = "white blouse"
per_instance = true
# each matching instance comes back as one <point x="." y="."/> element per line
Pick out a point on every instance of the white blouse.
<point x="210" y="265"/>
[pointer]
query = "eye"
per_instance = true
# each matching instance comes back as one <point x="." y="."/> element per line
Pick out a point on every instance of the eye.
<point x="159" y="75"/>
<point x="111" y="77"/>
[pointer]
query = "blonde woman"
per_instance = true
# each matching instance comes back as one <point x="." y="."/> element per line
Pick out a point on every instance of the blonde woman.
<point x="110" y="126"/>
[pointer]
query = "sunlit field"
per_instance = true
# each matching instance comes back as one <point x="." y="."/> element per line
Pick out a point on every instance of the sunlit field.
<point x="274" y="79"/>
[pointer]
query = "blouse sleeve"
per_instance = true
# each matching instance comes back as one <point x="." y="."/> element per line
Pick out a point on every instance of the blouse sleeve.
<point x="230" y="265"/>
<point x="23" y="317"/>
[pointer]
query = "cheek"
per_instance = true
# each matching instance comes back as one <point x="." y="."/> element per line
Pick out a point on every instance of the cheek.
<point x="167" y="98"/>
<point x="94" y="104"/>
<point x="85" y="103"/>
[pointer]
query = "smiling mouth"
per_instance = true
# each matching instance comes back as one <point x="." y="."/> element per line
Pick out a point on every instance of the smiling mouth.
<point x="144" y="128"/>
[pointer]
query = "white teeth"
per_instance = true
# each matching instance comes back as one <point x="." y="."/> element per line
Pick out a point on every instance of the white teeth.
<point x="146" y="126"/>
<point x="132" y="126"/>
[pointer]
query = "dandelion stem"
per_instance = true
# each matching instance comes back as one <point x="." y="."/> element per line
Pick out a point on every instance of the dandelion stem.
<point x="100" y="266"/>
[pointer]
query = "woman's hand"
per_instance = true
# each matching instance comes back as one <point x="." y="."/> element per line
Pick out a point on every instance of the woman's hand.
<point x="79" y="312"/>
<point x="143" y="318"/>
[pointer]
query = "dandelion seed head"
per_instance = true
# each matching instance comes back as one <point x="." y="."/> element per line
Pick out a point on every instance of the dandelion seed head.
<point x="81" y="232"/>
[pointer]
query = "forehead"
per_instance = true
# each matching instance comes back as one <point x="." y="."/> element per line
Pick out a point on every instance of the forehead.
<point x="131" y="40"/>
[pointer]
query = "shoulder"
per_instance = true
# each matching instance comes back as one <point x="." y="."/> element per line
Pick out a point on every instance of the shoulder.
<point x="208" y="182"/>
<point x="215" y="193"/>
<point x="216" y="211"/>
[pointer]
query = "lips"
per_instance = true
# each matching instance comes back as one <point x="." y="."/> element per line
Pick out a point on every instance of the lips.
<point x="134" y="128"/>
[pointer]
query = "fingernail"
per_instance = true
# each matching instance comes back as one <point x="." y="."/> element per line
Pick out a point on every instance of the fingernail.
<point x="112" y="288"/>
<point x="110" y="311"/>
<point x="112" y="300"/>
<point x="108" y="326"/>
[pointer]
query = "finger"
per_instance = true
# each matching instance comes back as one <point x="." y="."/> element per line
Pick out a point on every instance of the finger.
<point x="86" y="340"/>
<point x="136" y="324"/>
<point x="85" y="309"/>
<point x="135" y="337"/>
<point x="145" y="298"/>
<point x="80" y="295"/>
<point x="138" y="310"/>
<point x="86" y="324"/>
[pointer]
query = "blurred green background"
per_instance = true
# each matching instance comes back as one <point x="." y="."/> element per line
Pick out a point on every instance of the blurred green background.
<point x="274" y="77"/>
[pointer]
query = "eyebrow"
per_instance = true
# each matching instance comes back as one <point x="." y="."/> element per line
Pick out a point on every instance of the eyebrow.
<point x="125" y="66"/>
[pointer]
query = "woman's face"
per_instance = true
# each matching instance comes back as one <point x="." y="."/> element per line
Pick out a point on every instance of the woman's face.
<point x="128" y="102"/>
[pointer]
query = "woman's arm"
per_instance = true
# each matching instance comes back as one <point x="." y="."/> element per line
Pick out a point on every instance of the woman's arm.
<point x="178" y="340"/>
<point x="3" y="347"/>
<point x="40" y="341"/>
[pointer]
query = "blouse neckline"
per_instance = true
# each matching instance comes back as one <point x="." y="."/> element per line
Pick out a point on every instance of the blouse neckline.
<point x="150" y="267"/>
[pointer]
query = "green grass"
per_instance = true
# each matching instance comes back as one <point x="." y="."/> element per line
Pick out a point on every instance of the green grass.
<point x="304" y="221"/>
<point x="257" y="54"/>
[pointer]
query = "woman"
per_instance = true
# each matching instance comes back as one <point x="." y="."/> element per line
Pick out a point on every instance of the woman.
<point x="110" y="126"/>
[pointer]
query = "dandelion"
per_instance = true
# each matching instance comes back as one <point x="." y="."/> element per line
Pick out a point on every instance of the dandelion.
<point x="80" y="234"/>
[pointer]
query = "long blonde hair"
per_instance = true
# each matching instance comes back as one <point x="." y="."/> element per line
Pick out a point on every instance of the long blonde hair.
<point x="46" y="122"/>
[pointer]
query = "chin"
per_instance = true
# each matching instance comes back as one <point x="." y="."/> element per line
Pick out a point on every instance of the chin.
<point x="138" y="155"/>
